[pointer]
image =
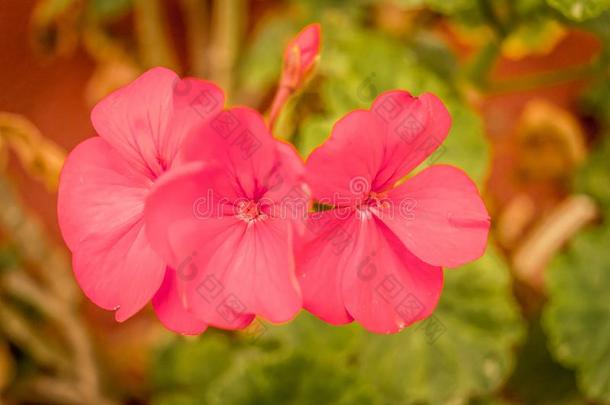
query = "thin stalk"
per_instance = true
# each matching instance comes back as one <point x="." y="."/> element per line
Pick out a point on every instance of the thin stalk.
<point x="282" y="95"/>
<point x="227" y="28"/>
<point x="152" y="35"/>
<point x="195" y="13"/>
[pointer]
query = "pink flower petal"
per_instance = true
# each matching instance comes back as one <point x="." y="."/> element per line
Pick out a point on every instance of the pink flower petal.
<point x="372" y="150"/>
<point x="146" y="120"/>
<point x="254" y="265"/>
<point x="118" y="271"/>
<point x="187" y="195"/>
<point x="238" y="141"/>
<point x="196" y="102"/>
<point x="287" y="173"/>
<point x="341" y="172"/>
<point x="288" y="191"/>
<point x="415" y="128"/>
<point x="170" y="306"/>
<point x="385" y="287"/>
<point x="354" y="268"/>
<point x="440" y="217"/>
<point x="321" y="262"/>
<point x="211" y="297"/>
<point x="99" y="193"/>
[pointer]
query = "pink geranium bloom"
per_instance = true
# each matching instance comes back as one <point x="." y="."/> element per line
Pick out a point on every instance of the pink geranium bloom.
<point x="227" y="217"/>
<point x="105" y="181"/>
<point x="377" y="255"/>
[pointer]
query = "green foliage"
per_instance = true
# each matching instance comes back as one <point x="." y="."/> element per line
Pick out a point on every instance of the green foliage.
<point x="465" y="146"/>
<point x="9" y="257"/>
<point x="536" y="369"/>
<point x="185" y="370"/>
<point x="594" y="177"/>
<point x="96" y="9"/>
<point x="52" y="8"/>
<point x="262" y="61"/>
<point x="305" y="362"/>
<point x="298" y="377"/>
<point x="450" y="7"/>
<point x="445" y="7"/>
<point x="580" y="10"/>
<point x="108" y="9"/>
<point x="597" y="98"/>
<point x="577" y="316"/>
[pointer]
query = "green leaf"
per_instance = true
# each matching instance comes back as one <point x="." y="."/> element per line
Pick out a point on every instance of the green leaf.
<point x="580" y="10"/>
<point x="295" y="363"/>
<point x="594" y="177"/>
<point x="339" y="342"/>
<point x="314" y="132"/>
<point x="298" y="377"/>
<point x="174" y="398"/>
<point x="261" y="66"/>
<point x="597" y="99"/>
<point x="109" y="9"/>
<point x="465" y="147"/>
<point x="9" y="257"/>
<point x="536" y="368"/>
<point x="490" y="401"/>
<point x="533" y="36"/>
<point x="407" y="4"/>
<point x="51" y="9"/>
<point x="304" y="362"/>
<point x="185" y="369"/>
<point x="451" y="7"/>
<point x="577" y="317"/>
<point x="463" y="350"/>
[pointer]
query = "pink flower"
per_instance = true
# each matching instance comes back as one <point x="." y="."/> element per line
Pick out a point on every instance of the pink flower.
<point x="376" y="256"/>
<point x="104" y="184"/>
<point x="226" y="215"/>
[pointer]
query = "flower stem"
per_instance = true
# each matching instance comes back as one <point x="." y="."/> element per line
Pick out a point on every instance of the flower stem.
<point x="282" y="95"/>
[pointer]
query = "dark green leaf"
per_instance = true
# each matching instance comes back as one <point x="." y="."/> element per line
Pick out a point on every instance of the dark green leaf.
<point x="577" y="317"/>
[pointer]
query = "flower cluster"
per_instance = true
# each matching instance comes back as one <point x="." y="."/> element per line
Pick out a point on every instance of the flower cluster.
<point x="197" y="208"/>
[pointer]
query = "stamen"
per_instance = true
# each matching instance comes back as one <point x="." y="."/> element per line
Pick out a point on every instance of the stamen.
<point x="249" y="211"/>
<point x="377" y="200"/>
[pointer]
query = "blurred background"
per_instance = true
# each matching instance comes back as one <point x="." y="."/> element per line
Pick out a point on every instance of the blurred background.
<point x="527" y="84"/>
